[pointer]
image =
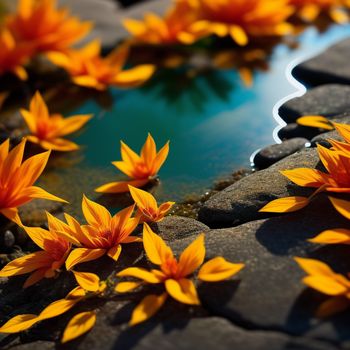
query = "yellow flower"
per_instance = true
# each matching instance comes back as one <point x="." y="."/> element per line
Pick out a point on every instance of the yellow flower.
<point x="323" y="279"/>
<point x="45" y="263"/>
<point x="79" y="324"/>
<point x="104" y="234"/>
<point x="17" y="179"/>
<point x="140" y="168"/>
<point x="148" y="210"/>
<point x="47" y="129"/>
<point x="173" y="273"/>
<point x="39" y="23"/>
<point x="173" y="28"/>
<point x="242" y="19"/>
<point x="337" y="179"/>
<point x="309" y="10"/>
<point x="89" y="69"/>
<point x="13" y="55"/>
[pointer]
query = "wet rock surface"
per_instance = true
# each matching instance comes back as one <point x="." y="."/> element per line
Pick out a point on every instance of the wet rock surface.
<point x="326" y="100"/>
<point x="332" y="66"/>
<point x="265" y="306"/>
<point x="241" y="201"/>
<point x="273" y="153"/>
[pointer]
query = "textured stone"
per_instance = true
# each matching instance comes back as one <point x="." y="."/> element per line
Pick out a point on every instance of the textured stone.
<point x="327" y="100"/>
<point x="293" y="130"/>
<point x="273" y="153"/>
<point x="268" y="292"/>
<point x="332" y="66"/>
<point x="177" y="227"/>
<point x="33" y="213"/>
<point x="241" y="201"/>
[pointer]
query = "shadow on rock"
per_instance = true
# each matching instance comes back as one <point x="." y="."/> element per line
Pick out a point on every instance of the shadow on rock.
<point x="281" y="235"/>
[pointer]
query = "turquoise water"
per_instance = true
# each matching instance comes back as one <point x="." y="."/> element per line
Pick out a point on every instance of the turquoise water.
<point x="213" y="122"/>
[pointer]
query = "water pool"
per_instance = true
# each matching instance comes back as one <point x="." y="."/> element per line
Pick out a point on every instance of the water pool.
<point x="214" y="124"/>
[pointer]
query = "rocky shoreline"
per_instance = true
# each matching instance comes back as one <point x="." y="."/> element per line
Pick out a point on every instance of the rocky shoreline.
<point x="268" y="307"/>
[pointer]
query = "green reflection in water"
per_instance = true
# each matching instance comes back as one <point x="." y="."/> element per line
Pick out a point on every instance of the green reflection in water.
<point x="213" y="121"/>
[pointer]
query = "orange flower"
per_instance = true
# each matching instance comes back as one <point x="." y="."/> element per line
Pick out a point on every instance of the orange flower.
<point x="104" y="234"/>
<point x="148" y="210"/>
<point x="174" y="28"/>
<point x="323" y="279"/>
<point x="88" y="69"/>
<point x="46" y="28"/>
<point x="173" y="273"/>
<point x="17" y="179"/>
<point x="141" y="169"/>
<point x="89" y="286"/>
<point x="46" y="129"/>
<point x="13" y="55"/>
<point x="242" y="19"/>
<point x="337" y="179"/>
<point x="45" y="263"/>
<point x="309" y="10"/>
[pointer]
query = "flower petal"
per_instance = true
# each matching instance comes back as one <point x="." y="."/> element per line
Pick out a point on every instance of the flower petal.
<point x="285" y="205"/>
<point x="80" y="255"/>
<point x="182" y="290"/>
<point x="143" y="199"/>
<point x="19" y="323"/>
<point x="78" y="325"/>
<point x="342" y="206"/>
<point x="218" y="269"/>
<point x="95" y="214"/>
<point x="315" y="121"/>
<point x="238" y="35"/>
<point x="332" y="306"/>
<point x="135" y="76"/>
<point x="160" y="158"/>
<point x="325" y="285"/>
<point x="73" y="124"/>
<point x="335" y="236"/>
<point x="314" y="267"/>
<point x="125" y="287"/>
<point x="148" y="306"/>
<point x="27" y="263"/>
<point x="37" y="192"/>
<point x="306" y="177"/>
<point x="156" y="249"/>
<point x="192" y="257"/>
<point x="59" y="144"/>
<point x="140" y="273"/>
<point x="57" y="308"/>
<point x="114" y="252"/>
<point x="88" y="281"/>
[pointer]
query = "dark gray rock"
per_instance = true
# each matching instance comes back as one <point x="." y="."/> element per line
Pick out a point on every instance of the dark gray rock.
<point x="33" y="213"/>
<point x="241" y="201"/>
<point x="268" y="293"/>
<point x="7" y="239"/>
<point x="327" y="100"/>
<point x="332" y="66"/>
<point x="39" y="345"/>
<point x="178" y="227"/>
<point x="293" y="130"/>
<point x="273" y="153"/>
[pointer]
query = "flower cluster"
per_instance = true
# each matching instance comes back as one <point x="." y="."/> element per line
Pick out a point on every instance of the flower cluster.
<point x="39" y="27"/>
<point x="242" y="20"/>
<point x="66" y="244"/>
<point x="336" y="161"/>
